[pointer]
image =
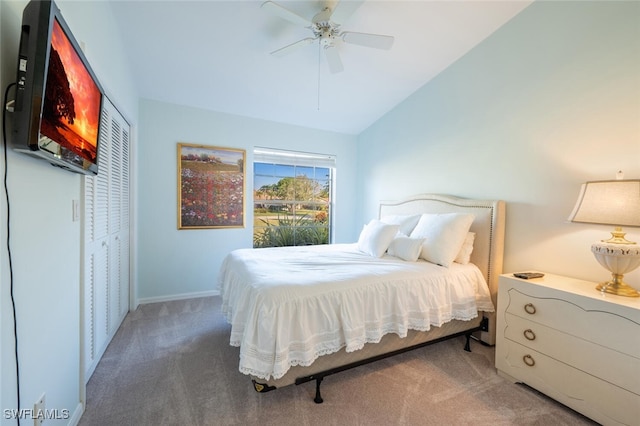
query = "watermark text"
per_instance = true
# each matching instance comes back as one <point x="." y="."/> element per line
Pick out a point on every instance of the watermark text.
<point x="27" y="413"/>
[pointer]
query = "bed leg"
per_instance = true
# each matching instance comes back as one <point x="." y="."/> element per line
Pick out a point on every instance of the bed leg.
<point x="318" y="398"/>
<point x="467" y="345"/>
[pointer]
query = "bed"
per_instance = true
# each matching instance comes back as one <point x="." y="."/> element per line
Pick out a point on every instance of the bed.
<point x="303" y="313"/>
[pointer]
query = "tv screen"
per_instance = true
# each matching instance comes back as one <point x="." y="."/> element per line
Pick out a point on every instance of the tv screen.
<point x="59" y="99"/>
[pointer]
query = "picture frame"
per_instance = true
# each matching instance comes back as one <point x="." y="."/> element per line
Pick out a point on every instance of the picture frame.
<point x="211" y="187"/>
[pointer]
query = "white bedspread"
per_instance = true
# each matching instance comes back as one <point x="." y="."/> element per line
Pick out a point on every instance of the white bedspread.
<point x="288" y="306"/>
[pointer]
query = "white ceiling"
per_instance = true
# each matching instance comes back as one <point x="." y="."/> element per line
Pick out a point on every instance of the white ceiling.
<point x="215" y="55"/>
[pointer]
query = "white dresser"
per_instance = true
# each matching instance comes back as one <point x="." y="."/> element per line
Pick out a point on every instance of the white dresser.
<point x="579" y="346"/>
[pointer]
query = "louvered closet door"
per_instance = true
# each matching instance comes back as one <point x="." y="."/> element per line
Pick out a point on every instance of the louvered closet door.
<point x="96" y="253"/>
<point x="106" y="239"/>
<point x="119" y="224"/>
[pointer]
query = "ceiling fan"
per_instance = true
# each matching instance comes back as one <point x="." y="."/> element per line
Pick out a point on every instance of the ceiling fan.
<point x="325" y="26"/>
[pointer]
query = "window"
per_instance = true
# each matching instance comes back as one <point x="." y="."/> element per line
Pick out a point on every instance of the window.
<point x="292" y="193"/>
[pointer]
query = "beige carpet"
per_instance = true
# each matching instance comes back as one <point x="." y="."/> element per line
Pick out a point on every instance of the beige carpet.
<point x="171" y="364"/>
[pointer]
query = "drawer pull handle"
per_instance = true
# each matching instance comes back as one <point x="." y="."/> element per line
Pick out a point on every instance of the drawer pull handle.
<point x="529" y="308"/>
<point x="529" y="334"/>
<point x="528" y="359"/>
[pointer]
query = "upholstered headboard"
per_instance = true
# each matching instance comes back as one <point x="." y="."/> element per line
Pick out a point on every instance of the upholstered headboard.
<point x="489" y="225"/>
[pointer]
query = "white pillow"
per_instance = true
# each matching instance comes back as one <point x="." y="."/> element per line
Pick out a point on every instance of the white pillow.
<point x="406" y="248"/>
<point x="443" y="236"/>
<point x="376" y="237"/>
<point x="405" y="222"/>
<point x="464" y="256"/>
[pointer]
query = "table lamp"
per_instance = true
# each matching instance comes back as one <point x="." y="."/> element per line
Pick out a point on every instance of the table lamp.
<point x="617" y="203"/>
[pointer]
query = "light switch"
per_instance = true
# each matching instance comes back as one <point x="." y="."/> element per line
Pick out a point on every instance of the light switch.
<point x="75" y="210"/>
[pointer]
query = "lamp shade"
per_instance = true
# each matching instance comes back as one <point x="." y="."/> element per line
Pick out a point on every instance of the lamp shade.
<point x="608" y="202"/>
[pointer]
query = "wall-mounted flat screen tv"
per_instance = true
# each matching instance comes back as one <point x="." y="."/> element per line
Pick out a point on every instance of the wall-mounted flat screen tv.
<point x="58" y="97"/>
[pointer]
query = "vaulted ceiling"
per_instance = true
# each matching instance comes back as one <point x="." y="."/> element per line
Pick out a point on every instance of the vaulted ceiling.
<point x="216" y="55"/>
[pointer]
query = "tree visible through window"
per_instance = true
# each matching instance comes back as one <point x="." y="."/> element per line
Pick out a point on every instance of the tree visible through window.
<point x="291" y="199"/>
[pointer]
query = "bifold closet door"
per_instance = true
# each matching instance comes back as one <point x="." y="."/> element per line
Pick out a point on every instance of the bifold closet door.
<point x="105" y="276"/>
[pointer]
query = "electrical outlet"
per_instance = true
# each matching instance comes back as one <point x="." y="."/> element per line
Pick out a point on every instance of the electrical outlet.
<point x="38" y="411"/>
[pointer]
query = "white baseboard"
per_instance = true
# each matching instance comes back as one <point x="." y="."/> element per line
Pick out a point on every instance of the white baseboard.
<point x="77" y="414"/>
<point x="182" y="296"/>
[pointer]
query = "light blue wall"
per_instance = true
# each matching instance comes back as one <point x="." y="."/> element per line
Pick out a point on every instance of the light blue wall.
<point x="550" y="100"/>
<point x="45" y="242"/>
<point x="178" y="263"/>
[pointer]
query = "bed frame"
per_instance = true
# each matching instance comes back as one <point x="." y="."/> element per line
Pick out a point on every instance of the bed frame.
<point x="488" y="249"/>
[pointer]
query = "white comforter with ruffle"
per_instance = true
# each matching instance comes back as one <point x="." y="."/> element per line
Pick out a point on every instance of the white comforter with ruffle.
<point x="289" y="305"/>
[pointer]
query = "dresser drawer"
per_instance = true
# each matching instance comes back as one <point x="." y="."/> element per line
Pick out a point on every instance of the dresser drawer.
<point x="603" y="328"/>
<point x="596" y="398"/>
<point x="615" y="367"/>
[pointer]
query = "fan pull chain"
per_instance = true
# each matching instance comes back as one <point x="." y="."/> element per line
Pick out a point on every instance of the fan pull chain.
<point x="319" y="59"/>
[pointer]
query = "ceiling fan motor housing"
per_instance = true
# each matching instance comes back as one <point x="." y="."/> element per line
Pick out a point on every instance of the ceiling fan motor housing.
<point x="324" y="29"/>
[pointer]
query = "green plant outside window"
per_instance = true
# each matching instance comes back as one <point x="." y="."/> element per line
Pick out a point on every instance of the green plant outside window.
<point x="292" y="205"/>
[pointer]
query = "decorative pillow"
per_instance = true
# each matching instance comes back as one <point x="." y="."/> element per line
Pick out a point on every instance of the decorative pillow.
<point x="376" y="237"/>
<point x="464" y="256"/>
<point x="405" y="222"/>
<point x="443" y="236"/>
<point x="406" y="248"/>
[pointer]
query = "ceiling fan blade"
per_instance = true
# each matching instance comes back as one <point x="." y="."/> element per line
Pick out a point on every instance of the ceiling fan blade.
<point x="344" y="9"/>
<point x="369" y="40"/>
<point x="333" y="59"/>
<point x="293" y="46"/>
<point x="285" y="13"/>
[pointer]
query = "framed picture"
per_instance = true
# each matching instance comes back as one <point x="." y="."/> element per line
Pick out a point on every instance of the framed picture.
<point x="210" y="187"/>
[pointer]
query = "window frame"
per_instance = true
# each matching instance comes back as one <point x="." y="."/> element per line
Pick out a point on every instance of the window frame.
<point x="296" y="159"/>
